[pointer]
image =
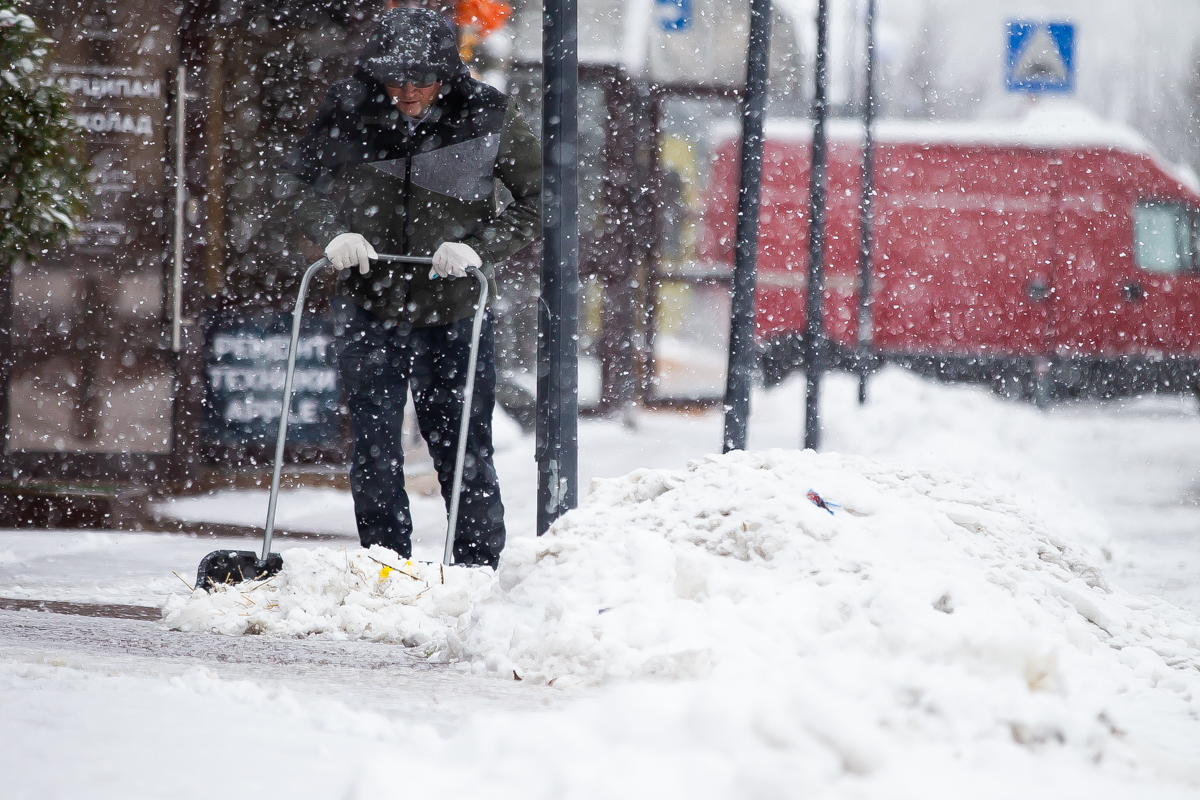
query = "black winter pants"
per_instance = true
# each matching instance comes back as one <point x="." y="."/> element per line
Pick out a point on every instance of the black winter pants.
<point x="378" y="366"/>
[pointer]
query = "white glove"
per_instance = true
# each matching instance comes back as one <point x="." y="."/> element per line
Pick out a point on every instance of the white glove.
<point x="348" y="249"/>
<point x="452" y="259"/>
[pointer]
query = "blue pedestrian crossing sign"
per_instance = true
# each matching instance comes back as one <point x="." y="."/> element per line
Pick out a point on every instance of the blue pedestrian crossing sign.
<point x="1041" y="57"/>
<point x="674" y="16"/>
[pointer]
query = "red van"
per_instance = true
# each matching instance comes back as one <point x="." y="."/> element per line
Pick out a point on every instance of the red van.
<point x="1058" y="246"/>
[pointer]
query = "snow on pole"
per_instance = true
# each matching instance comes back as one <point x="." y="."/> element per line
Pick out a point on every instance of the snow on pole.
<point x="745" y="264"/>
<point x="558" y="315"/>
<point x="814" y="350"/>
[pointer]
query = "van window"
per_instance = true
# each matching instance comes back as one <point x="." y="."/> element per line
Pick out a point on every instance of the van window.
<point x="1163" y="237"/>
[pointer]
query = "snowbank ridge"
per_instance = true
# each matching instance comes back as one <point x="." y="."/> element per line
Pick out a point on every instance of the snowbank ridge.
<point x="923" y="608"/>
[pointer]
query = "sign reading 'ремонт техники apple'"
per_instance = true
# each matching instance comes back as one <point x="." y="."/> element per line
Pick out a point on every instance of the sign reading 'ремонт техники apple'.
<point x="245" y="368"/>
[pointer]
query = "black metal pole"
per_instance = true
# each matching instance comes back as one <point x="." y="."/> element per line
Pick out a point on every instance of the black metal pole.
<point x="745" y="259"/>
<point x="865" y="254"/>
<point x="814" y="349"/>
<point x="558" y="312"/>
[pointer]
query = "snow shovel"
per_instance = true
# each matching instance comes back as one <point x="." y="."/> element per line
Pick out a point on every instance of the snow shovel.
<point x="235" y="566"/>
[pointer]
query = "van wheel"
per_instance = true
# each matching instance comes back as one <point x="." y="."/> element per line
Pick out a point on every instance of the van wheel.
<point x="778" y="358"/>
<point x="1009" y="385"/>
<point x="1043" y="390"/>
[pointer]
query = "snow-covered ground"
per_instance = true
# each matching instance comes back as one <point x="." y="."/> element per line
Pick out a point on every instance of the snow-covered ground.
<point x="946" y="633"/>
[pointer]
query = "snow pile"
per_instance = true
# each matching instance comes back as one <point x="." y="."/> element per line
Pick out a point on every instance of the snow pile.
<point x="728" y="563"/>
<point x="923" y="612"/>
<point x="355" y="594"/>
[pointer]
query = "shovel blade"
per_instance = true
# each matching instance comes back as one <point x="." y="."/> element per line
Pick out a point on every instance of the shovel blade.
<point x="234" y="566"/>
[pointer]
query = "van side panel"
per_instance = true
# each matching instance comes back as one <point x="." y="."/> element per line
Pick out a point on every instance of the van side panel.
<point x="1095" y="259"/>
<point x="1001" y="252"/>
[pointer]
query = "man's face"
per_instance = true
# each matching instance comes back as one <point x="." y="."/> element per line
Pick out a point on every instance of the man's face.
<point x="414" y="101"/>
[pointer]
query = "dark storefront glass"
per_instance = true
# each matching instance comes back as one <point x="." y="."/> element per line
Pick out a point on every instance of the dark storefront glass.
<point x="270" y="65"/>
<point x="92" y="371"/>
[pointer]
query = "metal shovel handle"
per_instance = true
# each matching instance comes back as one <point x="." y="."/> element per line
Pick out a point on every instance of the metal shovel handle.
<point x="464" y="424"/>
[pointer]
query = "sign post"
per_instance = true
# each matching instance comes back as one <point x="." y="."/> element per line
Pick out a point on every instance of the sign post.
<point x="814" y="329"/>
<point x="558" y="312"/>
<point x="745" y="260"/>
<point x="674" y="16"/>
<point x="865" y="253"/>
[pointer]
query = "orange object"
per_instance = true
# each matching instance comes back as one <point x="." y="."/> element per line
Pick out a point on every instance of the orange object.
<point x="484" y="16"/>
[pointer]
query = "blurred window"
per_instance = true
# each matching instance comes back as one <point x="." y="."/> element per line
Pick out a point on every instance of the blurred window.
<point x="525" y="87"/>
<point x="1162" y="237"/>
<point x="690" y="286"/>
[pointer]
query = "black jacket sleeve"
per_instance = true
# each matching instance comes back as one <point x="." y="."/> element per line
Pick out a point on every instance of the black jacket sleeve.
<point x="306" y="183"/>
<point x="519" y="168"/>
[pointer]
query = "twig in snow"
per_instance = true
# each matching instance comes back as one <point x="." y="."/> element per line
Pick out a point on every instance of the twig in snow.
<point x="185" y="583"/>
<point x="264" y="583"/>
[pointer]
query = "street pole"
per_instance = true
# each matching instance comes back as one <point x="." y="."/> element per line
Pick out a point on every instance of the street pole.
<point x="865" y="254"/>
<point x="558" y="312"/>
<point x="814" y="349"/>
<point x="745" y="260"/>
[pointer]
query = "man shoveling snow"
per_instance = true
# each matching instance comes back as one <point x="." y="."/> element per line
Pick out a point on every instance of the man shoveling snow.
<point x="403" y="158"/>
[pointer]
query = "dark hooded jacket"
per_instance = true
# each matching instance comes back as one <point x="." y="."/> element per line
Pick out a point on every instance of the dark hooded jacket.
<point x="360" y="168"/>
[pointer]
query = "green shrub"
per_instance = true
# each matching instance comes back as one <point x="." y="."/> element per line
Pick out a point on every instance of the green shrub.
<point x="43" y="188"/>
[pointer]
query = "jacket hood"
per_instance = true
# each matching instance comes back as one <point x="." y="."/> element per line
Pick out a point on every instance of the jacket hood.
<point x="412" y="44"/>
